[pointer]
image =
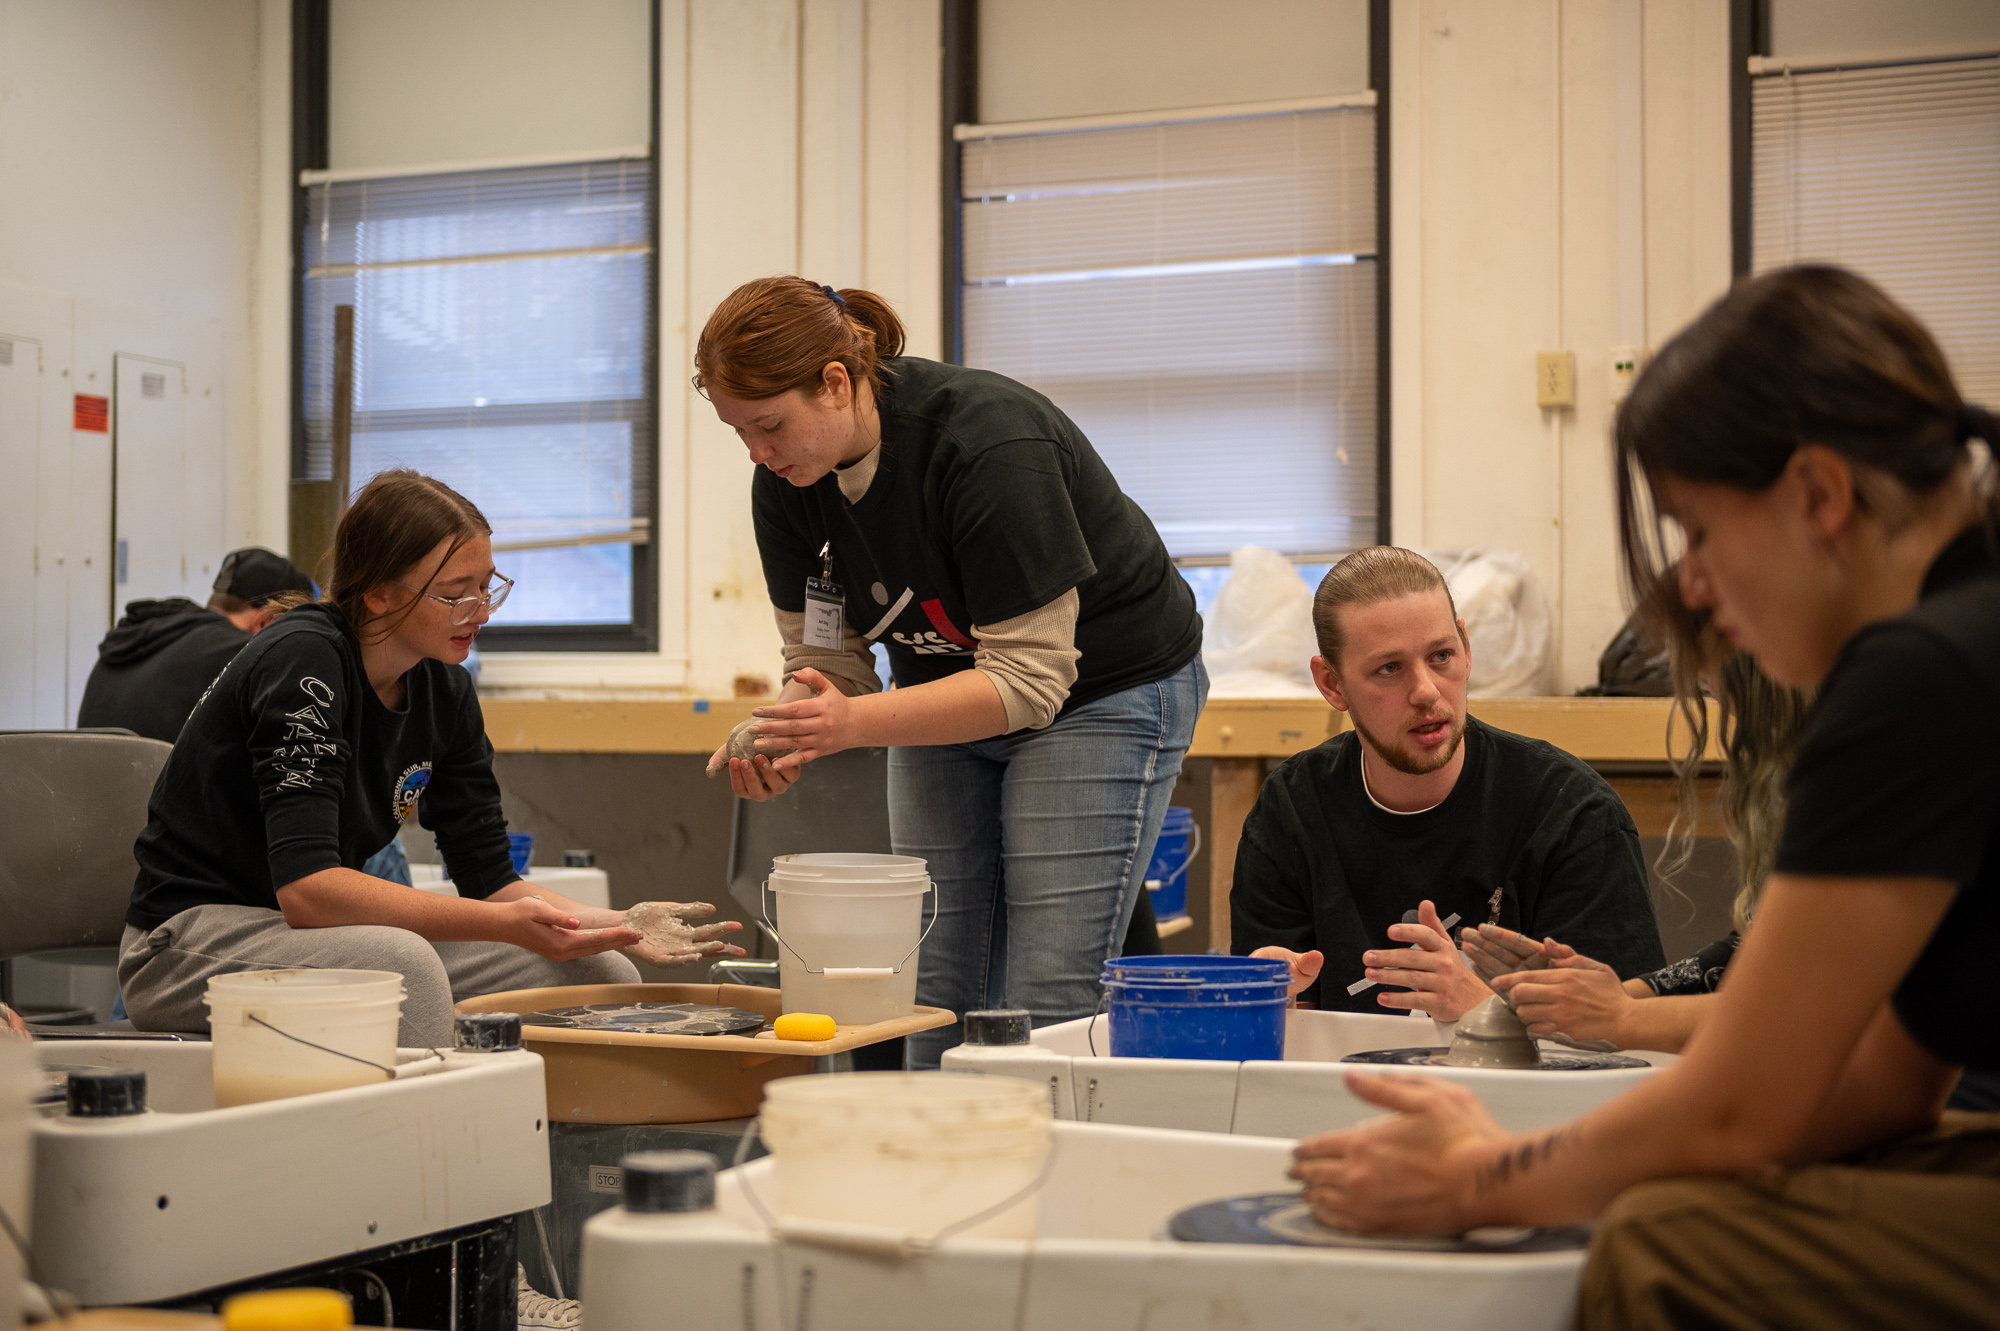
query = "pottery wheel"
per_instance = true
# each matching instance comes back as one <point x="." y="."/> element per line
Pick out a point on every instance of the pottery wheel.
<point x="1552" y="1060"/>
<point x="1280" y="1219"/>
<point x="651" y="1018"/>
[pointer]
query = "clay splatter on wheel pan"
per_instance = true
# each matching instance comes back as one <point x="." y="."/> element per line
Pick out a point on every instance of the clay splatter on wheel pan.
<point x="651" y="1018"/>
<point x="1552" y="1060"/>
<point x="1280" y="1219"/>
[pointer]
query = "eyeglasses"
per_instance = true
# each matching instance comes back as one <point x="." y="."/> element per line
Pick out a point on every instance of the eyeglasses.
<point x="463" y="608"/>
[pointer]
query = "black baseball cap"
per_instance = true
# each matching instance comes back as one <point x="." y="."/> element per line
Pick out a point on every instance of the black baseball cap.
<point x="253" y="574"/>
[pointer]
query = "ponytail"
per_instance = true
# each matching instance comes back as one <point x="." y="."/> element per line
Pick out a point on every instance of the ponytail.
<point x="778" y="334"/>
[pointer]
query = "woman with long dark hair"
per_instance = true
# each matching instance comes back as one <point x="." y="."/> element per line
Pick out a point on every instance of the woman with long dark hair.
<point x="306" y="755"/>
<point x="1805" y="440"/>
<point x="1046" y="652"/>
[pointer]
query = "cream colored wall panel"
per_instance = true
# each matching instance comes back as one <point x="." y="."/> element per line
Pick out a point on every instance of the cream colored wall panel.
<point x="742" y="186"/>
<point x="833" y="138"/>
<point x="414" y="82"/>
<point x="903" y="237"/>
<point x="1040" y="59"/>
<point x="1687" y="161"/>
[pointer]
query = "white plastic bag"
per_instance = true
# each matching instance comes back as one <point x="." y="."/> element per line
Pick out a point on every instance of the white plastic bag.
<point x="1257" y="636"/>
<point x="1506" y="620"/>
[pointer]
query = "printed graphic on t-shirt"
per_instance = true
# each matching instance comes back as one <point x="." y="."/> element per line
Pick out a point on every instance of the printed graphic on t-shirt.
<point x="305" y="741"/>
<point x="409" y="788"/>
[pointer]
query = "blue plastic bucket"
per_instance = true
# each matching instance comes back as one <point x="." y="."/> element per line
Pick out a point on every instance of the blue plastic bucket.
<point x="1166" y="876"/>
<point x="1230" y="1008"/>
<point x="521" y="845"/>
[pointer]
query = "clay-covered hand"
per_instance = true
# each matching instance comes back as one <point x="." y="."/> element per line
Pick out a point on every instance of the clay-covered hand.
<point x="16" y="1027"/>
<point x="667" y="939"/>
<point x="1576" y="996"/>
<point x="1409" y="1173"/>
<point x="807" y="728"/>
<point x="742" y="745"/>
<point x="1494" y="951"/>
<point x="557" y="934"/>
<point x="1305" y="967"/>
<point x="1442" y="985"/>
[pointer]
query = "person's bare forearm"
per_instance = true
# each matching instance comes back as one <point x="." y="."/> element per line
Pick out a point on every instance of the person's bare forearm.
<point x="957" y="709"/>
<point x="334" y="897"/>
<point x="1758" y="1082"/>
<point x="1662" y="1024"/>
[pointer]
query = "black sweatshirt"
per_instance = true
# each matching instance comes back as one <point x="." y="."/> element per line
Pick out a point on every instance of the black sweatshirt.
<point x="290" y="764"/>
<point x="1530" y="839"/>
<point x="152" y="667"/>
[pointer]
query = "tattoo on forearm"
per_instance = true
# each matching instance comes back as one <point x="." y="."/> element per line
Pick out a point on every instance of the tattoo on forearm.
<point x="1520" y="1160"/>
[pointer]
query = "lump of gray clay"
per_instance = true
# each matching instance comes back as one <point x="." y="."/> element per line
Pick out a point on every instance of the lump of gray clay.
<point x="742" y="743"/>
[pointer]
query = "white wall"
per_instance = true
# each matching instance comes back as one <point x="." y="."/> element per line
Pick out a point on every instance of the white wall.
<point x="420" y="82"/>
<point x="1561" y="181"/>
<point x="795" y="136"/>
<point x="129" y="151"/>
<point x="1043" y="59"/>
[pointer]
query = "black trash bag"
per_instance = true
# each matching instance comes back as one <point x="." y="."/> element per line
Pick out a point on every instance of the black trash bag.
<point x="1634" y="665"/>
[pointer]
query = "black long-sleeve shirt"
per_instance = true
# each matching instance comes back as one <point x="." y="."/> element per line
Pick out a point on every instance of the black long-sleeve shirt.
<point x="1530" y="839"/>
<point x="290" y="764"/>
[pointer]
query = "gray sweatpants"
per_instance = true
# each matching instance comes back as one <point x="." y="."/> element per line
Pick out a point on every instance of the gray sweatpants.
<point x="165" y="972"/>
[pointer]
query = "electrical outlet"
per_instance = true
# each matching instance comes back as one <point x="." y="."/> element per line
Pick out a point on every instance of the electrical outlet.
<point x="1625" y="363"/>
<point x="1555" y="378"/>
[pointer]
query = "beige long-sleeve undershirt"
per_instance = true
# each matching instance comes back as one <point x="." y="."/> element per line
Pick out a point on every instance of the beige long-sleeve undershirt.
<point x="1030" y="658"/>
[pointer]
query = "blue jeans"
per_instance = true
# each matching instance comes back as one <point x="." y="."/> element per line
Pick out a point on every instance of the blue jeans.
<point x="1038" y="843"/>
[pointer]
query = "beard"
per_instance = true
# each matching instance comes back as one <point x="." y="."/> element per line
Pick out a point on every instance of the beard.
<point x="1407" y="759"/>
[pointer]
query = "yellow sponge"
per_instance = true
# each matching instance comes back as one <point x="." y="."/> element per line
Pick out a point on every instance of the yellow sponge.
<point x="804" y="1026"/>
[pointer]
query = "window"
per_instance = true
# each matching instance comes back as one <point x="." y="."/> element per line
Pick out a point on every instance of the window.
<point x="1200" y="297"/>
<point x="503" y="343"/>
<point x="1892" y="170"/>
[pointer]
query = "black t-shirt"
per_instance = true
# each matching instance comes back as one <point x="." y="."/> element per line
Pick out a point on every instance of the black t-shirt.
<point x="152" y="667"/>
<point x="1530" y="839"/>
<point x="987" y="503"/>
<point x="1898" y="776"/>
<point x="291" y="764"/>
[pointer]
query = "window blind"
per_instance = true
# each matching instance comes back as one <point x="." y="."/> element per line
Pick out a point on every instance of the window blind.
<point x="1200" y="297"/>
<point x="1893" y="171"/>
<point x="501" y="343"/>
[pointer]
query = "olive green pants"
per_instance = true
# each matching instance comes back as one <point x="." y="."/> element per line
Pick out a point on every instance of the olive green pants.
<point x="1902" y="1235"/>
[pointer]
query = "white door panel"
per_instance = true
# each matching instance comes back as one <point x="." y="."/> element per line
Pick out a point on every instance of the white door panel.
<point x="149" y="475"/>
<point x="20" y="447"/>
<point x="88" y="557"/>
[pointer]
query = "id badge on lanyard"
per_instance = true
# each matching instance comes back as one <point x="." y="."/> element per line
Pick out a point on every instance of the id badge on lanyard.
<point x="826" y="606"/>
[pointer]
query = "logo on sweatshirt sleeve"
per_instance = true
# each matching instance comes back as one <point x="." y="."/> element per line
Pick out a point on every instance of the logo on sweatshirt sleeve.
<point x="409" y="788"/>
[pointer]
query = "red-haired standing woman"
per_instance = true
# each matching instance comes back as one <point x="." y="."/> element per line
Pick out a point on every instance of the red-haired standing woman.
<point x="304" y="758"/>
<point x="1046" y="652"/>
<point x="1794" y="1169"/>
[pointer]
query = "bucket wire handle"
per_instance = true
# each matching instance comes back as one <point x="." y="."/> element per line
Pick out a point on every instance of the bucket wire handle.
<point x="765" y="911"/>
<point x="1090" y="1031"/>
<point x="388" y="1072"/>
<point x="913" y="1244"/>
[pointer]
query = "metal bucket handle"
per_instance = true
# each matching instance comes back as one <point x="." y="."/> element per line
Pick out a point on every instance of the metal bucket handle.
<point x="848" y="972"/>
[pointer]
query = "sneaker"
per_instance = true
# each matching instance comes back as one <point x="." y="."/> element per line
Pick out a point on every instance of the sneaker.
<point x="539" y="1312"/>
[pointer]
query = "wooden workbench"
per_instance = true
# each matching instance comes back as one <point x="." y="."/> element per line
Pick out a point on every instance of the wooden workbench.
<point x="1243" y="736"/>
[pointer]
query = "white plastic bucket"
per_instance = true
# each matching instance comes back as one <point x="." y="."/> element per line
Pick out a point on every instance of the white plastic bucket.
<point x="265" y="1025"/>
<point x="911" y="1152"/>
<point x="848" y="929"/>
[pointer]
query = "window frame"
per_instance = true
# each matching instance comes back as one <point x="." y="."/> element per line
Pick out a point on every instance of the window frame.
<point x="310" y="26"/>
<point x="960" y="103"/>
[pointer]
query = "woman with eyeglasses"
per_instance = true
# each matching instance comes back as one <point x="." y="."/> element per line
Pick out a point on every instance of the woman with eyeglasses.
<point x="307" y="754"/>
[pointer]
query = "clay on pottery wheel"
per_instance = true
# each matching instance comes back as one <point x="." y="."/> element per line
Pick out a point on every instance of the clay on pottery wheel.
<point x="743" y="744"/>
<point x="1492" y="1036"/>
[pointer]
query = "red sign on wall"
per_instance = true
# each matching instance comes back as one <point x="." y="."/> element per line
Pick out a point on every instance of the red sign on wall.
<point x="93" y="414"/>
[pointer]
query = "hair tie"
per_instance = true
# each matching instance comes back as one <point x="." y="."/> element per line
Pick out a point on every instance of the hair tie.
<point x="1976" y="422"/>
<point x="833" y="296"/>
